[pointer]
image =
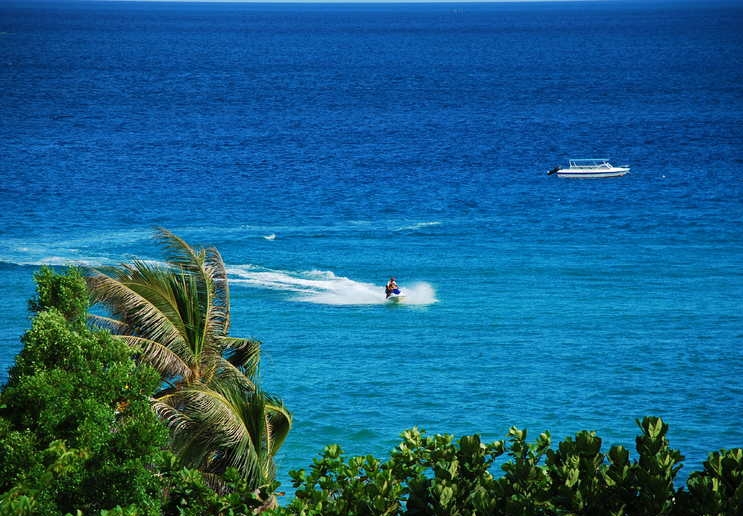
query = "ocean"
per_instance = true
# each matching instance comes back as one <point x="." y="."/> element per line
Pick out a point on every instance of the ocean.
<point x="323" y="148"/>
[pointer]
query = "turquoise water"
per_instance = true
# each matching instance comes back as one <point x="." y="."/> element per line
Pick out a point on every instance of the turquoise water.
<point x="324" y="148"/>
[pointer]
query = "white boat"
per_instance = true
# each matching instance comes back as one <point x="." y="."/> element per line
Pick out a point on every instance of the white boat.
<point x="589" y="169"/>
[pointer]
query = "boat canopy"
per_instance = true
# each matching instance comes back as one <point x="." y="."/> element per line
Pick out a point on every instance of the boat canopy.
<point x="589" y="163"/>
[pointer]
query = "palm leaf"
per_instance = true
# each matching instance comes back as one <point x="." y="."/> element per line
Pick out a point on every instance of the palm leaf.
<point x="107" y="323"/>
<point x="280" y="422"/>
<point x="245" y="354"/>
<point x="216" y="268"/>
<point x="143" y="299"/>
<point x="208" y="285"/>
<point x="214" y="429"/>
<point x="228" y="373"/>
<point x="164" y="360"/>
<point x="138" y="314"/>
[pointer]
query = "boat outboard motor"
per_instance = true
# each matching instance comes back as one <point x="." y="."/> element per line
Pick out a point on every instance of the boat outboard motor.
<point x="553" y="171"/>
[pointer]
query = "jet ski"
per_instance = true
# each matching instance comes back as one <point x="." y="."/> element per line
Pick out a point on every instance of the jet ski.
<point x="395" y="296"/>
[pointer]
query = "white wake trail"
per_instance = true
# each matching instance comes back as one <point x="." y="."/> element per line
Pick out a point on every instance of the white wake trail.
<point x="324" y="287"/>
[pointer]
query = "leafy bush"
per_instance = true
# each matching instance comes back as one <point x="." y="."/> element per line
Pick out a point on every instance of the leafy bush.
<point x="76" y="428"/>
<point x="189" y="493"/>
<point x="436" y="476"/>
<point x="717" y="489"/>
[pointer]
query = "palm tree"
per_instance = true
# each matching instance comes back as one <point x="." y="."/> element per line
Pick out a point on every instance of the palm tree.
<point x="177" y="317"/>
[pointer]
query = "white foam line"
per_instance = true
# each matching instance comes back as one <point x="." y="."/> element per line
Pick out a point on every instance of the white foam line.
<point x="324" y="287"/>
<point x="419" y="225"/>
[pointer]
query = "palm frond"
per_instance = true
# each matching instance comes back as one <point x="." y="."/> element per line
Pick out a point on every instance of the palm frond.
<point x="228" y="373"/>
<point x="209" y="283"/>
<point x="245" y="354"/>
<point x="251" y="452"/>
<point x="280" y="422"/>
<point x="130" y="303"/>
<point x="218" y="272"/>
<point x="211" y="432"/>
<point x="164" y="360"/>
<point x="178" y="253"/>
<point x="132" y="285"/>
<point x="107" y="323"/>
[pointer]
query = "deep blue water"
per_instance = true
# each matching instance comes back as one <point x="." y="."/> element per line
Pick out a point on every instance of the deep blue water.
<point x="323" y="148"/>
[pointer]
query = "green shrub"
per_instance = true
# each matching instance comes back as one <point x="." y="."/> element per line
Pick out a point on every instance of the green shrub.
<point x="66" y="293"/>
<point x="76" y="428"/>
<point x="438" y="476"/>
<point x="717" y="490"/>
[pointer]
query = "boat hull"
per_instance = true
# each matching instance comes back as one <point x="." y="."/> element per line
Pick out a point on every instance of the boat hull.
<point x="593" y="173"/>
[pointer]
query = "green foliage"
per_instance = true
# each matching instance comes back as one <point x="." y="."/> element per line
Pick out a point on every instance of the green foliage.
<point x="76" y="428"/>
<point x="66" y="293"/>
<point x="575" y="470"/>
<point x="717" y="490"/>
<point x="443" y="478"/>
<point x="77" y="393"/>
<point x="656" y="469"/>
<point x="525" y="486"/>
<point x="190" y="494"/>
<point x="132" y="510"/>
<point x="436" y="476"/>
<point x="35" y="494"/>
<point x="334" y="487"/>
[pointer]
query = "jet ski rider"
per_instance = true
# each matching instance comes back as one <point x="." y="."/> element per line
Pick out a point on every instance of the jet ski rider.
<point x="391" y="288"/>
